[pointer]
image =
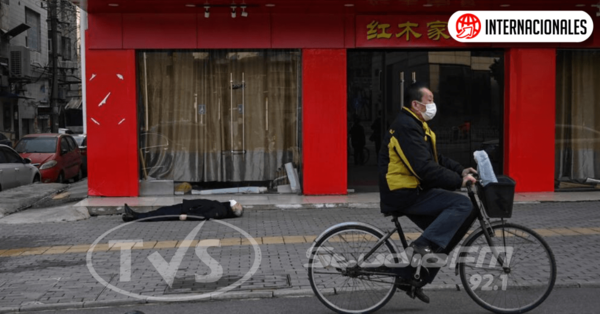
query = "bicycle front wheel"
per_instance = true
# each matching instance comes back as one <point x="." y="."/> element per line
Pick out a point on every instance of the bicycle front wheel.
<point x="338" y="282"/>
<point x="513" y="275"/>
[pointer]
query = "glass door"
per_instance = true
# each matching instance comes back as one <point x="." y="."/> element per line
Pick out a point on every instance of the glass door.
<point x="468" y="90"/>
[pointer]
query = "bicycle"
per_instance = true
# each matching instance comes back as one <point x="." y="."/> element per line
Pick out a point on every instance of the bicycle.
<point x="351" y="265"/>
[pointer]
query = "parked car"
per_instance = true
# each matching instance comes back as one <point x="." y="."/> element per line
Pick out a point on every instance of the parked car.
<point x="5" y="140"/>
<point x="81" y="140"/>
<point x="14" y="170"/>
<point x="56" y="155"/>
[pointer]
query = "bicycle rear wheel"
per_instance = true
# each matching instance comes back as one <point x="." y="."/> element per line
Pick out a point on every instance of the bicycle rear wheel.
<point x="345" y="291"/>
<point x="522" y="285"/>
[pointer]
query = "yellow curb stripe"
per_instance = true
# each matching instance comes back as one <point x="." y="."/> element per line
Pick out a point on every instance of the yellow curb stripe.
<point x="272" y="240"/>
<point x="146" y="245"/>
<point x="585" y="231"/>
<point x="165" y="244"/>
<point x="13" y="252"/>
<point x="187" y="243"/>
<point x="293" y="239"/>
<point x="565" y="231"/>
<point x="546" y="232"/>
<point x="231" y="241"/>
<point x="56" y="250"/>
<point x="36" y="251"/>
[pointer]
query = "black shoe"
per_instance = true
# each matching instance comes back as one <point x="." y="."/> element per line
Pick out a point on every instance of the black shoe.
<point x="129" y="214"/>
<point x="417" y="292"/>
<point x="420" y="249"/>
<point x="423" y="251"/>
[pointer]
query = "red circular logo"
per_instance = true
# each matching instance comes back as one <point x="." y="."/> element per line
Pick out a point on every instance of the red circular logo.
<point x="468" y="26"/>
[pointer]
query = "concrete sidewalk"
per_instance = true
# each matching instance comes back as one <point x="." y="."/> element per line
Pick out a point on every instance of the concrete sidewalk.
<point x="114" y="205"/>
<point x="44" y="266"/>
<point x="23" y="197"/>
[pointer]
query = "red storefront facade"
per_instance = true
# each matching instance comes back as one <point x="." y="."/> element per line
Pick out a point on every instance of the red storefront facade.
<point x="324" y="31"/>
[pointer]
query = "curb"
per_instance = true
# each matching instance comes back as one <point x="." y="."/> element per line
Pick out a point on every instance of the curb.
<point x="236" y="295"/>
<point x="117" y="210"/>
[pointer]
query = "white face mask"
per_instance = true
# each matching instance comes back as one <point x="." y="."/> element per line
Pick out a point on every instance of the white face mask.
<point x="430" y="111"/>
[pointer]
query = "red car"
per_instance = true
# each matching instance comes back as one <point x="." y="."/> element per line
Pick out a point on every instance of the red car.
<point x="57" y="156"/>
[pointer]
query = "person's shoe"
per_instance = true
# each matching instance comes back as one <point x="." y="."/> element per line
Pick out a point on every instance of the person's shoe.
<point x="128" y="214"/>
<point x="418" y="292"/>
<point x="422" y="250"/>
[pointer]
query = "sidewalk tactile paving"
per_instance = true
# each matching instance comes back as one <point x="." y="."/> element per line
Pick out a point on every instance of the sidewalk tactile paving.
<point x="165" y="244"/>
<point x="293" y="239"/>
<point x="585" y="231"/>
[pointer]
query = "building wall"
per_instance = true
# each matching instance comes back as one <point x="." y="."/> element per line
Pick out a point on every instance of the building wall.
<point x="17" y="16"/>
<point x="328" y="33"/>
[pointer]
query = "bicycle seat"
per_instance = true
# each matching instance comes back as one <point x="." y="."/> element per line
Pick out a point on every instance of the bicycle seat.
<point x="388" y="210"/>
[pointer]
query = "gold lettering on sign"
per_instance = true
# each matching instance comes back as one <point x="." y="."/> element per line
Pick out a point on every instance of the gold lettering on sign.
<point x="436" y="30"/>
<point x="407" y="28"/>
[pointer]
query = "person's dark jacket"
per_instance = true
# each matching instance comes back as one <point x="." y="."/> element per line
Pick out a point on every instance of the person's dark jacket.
<point x="207" y="209"/>
<point x="409" y="163"/>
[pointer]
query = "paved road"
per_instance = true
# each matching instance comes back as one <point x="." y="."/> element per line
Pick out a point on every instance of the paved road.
<point x="46" y="263"/>
<point x="567" y="301"/>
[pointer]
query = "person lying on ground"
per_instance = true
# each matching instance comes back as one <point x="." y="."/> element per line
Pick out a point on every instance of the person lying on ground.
<point x="197" y="209"/>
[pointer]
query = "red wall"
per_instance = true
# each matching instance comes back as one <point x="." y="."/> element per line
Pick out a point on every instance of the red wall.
<point x="112" y="127"/>
<point x="529" y="89"/>
<point x="530" y="108"/>
<point x="324" y="121"/>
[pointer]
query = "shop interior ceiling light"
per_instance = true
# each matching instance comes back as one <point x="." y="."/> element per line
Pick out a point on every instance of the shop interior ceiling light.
<point x="206" y="11"/>
<point x="597" y="6"/>
<point x="244" y="13"/>
<point x="233" y="14"/>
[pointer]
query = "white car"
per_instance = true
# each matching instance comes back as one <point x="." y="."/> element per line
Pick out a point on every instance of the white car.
<point x="14" y="170"/>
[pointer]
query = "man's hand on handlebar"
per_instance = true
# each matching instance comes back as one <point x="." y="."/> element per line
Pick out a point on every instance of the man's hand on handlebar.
<point x="468" y="178"/>
<point x="468" y="171"/>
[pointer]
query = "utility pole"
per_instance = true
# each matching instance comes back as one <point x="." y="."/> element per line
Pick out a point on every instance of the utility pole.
<point x="53" y="6"/>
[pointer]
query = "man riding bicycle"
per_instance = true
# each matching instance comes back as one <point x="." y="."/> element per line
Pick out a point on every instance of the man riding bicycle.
<point x="416" y="181"/>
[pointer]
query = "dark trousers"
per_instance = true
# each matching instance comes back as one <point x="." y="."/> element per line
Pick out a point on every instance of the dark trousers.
<point x="196" y="209"/>
<point x="445" y="217"/>
<point x="159" y="214"/>
<point x="440" y="214"/>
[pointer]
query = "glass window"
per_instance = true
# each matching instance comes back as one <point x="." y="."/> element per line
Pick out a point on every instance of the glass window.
<point x="3" y="159"/>
<point x="64" y="145"/>
<point x="577" y="119"/>
<point x="36" y="145"/>
<point x="66" y="48"/>
<point x="72" y="144"/>
<point x="12" y="157"/>
<point x="81" y="140"/>
<point x="34" y="33"/>
<point x="218" y="116"/>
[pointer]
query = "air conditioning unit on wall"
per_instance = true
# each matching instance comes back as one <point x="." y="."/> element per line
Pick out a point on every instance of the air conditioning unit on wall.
<point x="20" y="61"/>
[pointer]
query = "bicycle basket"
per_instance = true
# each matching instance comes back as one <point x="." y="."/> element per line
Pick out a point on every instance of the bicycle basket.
<point x="497" y="198"/>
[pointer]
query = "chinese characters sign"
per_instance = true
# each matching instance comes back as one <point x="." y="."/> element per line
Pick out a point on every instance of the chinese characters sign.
<point x="403" y="31"/>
